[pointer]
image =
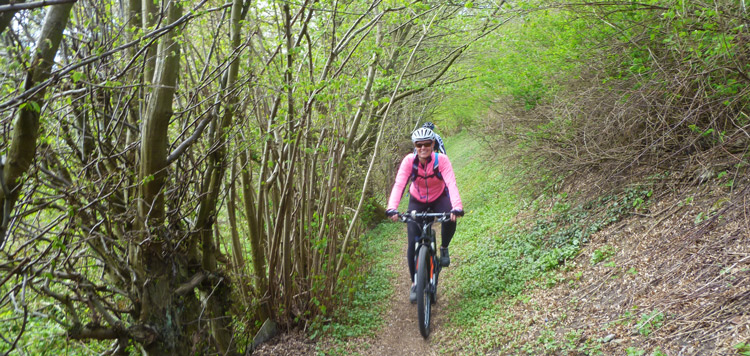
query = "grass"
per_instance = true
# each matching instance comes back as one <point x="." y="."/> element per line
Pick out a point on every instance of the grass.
<point x="371" y="292"/>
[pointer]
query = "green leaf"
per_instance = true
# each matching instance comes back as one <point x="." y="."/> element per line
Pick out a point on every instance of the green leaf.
<point x="33" y="106"/>
<point x="76" y="76"/>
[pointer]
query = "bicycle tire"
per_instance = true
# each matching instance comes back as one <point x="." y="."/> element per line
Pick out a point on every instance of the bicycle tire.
<point x="423" y="291"/>
<point x="436" y="263"/>
<point x="436" y="273"/>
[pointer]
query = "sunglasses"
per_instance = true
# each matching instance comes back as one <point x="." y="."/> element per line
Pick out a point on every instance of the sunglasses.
<point x="423" y="144"/>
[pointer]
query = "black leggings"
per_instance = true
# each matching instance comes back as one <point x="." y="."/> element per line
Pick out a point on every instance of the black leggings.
<point x="441" y="205"/>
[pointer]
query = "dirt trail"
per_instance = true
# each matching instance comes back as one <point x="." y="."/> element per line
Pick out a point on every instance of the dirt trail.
<point x="399" y="334"/>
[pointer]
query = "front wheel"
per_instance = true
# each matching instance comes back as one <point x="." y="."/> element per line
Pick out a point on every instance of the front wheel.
<point x="424" y="299"/>
<point x="435" y="274"/>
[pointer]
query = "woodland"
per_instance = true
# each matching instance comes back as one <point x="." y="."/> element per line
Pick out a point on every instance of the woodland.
<point x="175" y="173"/>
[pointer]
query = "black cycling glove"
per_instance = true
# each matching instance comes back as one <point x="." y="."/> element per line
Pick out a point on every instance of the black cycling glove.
<point x="457" y="212"/>
<point x="390" y="212"/>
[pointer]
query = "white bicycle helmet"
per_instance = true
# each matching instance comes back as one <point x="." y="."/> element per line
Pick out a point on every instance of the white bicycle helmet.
<point x="422" y="134"/>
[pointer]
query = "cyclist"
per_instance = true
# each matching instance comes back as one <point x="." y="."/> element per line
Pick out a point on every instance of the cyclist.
<point x="433" y="187"/>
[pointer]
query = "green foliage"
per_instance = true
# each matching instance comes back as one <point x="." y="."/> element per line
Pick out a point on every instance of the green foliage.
<point x="632" y="351"/>
<point x="701" y="217"/>
<point x="44" y="336"/>
<point x="372" y="211"/>
<point x="605" y="84"/>
<point x="367" y="297"/>
<point x="743" y="348"/>
<point x="650" y="322"/>
<point x="518" y="65"/>
<point x="602" y="254"/>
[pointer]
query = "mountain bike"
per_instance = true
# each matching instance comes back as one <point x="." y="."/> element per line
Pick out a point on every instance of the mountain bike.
<point x="428" y="264"/>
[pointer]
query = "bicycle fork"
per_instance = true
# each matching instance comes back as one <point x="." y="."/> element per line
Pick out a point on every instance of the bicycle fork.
<point x="432" y="254"/>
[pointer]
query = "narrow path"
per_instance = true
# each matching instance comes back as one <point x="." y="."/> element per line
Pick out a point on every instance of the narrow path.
<point x="399" y="334"/>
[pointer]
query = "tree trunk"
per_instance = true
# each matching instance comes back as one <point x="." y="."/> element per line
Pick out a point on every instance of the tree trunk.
<point x="238" y="258"/>
<point x="134" y="23"/>
<point x="285" y="204"/>
<point x="26" y="126"/>
<point x="161" y="272"/>
<point x="257" y="240"/>
<point x="154" y="139"/>
<point x="149" y="19"/>
<point x="217" y="297"/>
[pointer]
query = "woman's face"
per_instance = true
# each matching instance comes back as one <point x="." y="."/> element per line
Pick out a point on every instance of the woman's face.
<point x="424" y="149"/>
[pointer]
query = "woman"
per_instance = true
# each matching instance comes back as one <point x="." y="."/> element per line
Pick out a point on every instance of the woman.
<point x="433" y="187"/>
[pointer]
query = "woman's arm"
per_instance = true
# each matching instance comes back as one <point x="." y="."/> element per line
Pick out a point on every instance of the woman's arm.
<point x="402" y="178"/>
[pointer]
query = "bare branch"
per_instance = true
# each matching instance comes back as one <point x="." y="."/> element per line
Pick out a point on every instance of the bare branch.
<point x="33" y="5"/>
<point x="191" y="284"/>
<point x="62" y="72"/>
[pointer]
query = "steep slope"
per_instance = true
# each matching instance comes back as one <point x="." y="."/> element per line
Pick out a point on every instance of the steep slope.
<point x="658" y="267"/>
<point x="671" y="280"/>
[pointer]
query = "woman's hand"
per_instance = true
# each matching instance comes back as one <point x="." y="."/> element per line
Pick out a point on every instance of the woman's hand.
<point x="394" y="218"/>
<point x="392" y="214"/>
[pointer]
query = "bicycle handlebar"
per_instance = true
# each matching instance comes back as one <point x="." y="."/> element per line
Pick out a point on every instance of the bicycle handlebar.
<point x="413" y="215"/>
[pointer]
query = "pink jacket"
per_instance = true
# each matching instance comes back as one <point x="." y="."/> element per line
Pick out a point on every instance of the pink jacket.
<point x="425" y="190"/>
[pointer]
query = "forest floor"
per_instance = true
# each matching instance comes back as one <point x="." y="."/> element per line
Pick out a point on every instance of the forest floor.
<point x="398" y="332"/>
<point x="671" y="279"/>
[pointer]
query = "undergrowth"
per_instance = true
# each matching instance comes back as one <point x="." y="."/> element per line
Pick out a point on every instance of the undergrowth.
<point x="501" y="257"/>
<point x="369" y="294"/>
<point x="48" y="337"/>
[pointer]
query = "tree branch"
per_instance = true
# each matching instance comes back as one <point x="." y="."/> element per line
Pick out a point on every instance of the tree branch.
<point x="57" y="75"/>
<point x="33" y="5"/>
<point x="140" y="333"/>
<point x="190" y="140"/>
<point x="95" y="332"/>
<point x="191" y="284"/>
